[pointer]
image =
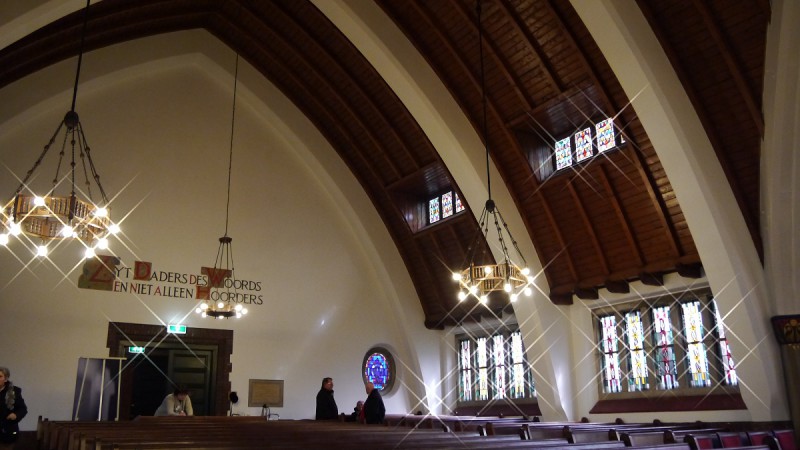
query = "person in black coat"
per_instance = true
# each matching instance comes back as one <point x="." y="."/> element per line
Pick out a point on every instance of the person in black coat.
<point x="326" y="404"/>
<point x="374" y="411"/>
<point x="12" y="408"/>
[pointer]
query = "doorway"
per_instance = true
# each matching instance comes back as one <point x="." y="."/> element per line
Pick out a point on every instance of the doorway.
<point x="199" y="359"/>
<point x="157" y="371"/>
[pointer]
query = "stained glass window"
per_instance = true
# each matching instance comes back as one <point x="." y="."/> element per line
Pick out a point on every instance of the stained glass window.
<point x="483" y="369"/>
<point x="583" y="145"/>
<point x="378" y="368"/>
<point x="664" y="353"/>
<point x="605" y="135"/>
<point x="499" y="365"/>
<point x="459" y="206"/>
<point x="637" y="366"/>
<point x="447" y="205"/>
<point x="433" y="210"/>
<point x="611" y="372"/>
<point x="518" y="378"/>
<point x="728" y="365"/>
<point x="465" y="371"/>
<point x="696" y="348"/>
<point x="494" y="367"/>
<point x="563" y="154"/>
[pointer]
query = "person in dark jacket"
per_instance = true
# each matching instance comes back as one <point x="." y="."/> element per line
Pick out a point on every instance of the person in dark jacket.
<point x="326" y="404"/>
<point x="373" y="407"/>
<point x="12" y="408"/>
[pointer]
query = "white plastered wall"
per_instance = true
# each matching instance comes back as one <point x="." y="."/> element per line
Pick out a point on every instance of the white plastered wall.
<point x="157" y="115"/>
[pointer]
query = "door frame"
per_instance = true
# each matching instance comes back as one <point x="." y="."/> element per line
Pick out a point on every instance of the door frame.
<point x="123" y="334"/>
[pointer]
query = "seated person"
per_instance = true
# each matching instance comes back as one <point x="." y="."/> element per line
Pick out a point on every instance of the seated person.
<point x="176" y="404"/>
<point x="354" y="416"/>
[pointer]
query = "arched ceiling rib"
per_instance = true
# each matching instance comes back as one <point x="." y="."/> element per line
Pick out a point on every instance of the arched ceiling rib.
<point x="607" y="222"/>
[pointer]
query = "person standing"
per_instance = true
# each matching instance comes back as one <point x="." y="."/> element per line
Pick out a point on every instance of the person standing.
<point x="326" y="404"/>
<point x="12" y="408"/>
<point x="374" y="411"/>
<point x="176" y="404"/>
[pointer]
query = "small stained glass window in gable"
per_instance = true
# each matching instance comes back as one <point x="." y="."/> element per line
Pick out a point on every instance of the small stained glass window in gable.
<point x="583" y="145"/>
<point x="447" y="205"/>
<point x="563" y="154"/>
<point x="459" y="205"/>
<point x="433" y="210"/>
<point x="605" y="135"/>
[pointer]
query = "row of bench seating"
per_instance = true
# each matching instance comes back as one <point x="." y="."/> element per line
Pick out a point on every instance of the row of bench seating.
<point x="235" y="433"/>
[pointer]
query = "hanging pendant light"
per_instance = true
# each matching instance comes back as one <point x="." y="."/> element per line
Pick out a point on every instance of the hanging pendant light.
<point x="480" y="279"/>
<point x="47" y="216"/>
<point x="222" y="290"/>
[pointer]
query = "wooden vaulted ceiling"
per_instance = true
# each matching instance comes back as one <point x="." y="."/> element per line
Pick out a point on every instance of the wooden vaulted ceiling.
<point x="612" y="220"/>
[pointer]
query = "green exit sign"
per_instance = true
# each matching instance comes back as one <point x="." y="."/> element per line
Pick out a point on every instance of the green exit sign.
<point x="176" y="328"/>
<point x="135" y="349"/>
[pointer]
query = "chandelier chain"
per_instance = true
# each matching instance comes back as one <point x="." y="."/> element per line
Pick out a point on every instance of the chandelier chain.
<point x="483" y="99"/>
<point x="80" y="54"/>
<point x="230" y="154"/>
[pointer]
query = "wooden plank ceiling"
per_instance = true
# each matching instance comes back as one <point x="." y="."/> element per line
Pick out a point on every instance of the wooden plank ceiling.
<point x="609" y="221"/>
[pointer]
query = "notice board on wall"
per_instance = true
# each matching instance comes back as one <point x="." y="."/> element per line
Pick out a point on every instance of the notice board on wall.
<point x="265" y="392"/>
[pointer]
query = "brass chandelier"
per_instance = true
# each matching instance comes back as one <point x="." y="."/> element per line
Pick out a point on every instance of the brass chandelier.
<point x="222" y="287"/>
<point x="41" y="218"/>
<point x="481" y="279"/>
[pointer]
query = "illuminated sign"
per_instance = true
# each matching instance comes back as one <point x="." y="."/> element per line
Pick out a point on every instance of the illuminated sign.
<point x="176" y="328"/>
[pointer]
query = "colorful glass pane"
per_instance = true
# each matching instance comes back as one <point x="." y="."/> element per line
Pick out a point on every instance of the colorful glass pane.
<point x="563" y="154"/>
<point x="637" y="366"/>
<point x="696" y="348"/>
<point x="583" y="144"/>
<point x="611" y="371"/>
<point x="728" y="365"/>
<point x="447" y="205"/>
<point x="377" y="370"/>
<point x="605" y="135"/>
<point x="433" y="210"/>
<point x="499" y="364"/>
<point x="666" y="369"/>
<point x="483" y="372"/>
<point x="465" y="358"/>
<point x="518" y="362"/>
<point x="459" y="206"/>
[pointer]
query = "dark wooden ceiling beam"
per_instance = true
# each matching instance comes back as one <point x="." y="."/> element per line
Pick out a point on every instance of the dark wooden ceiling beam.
<point x="367" y="98"/>
<point x="587" y="225"/>
<point x="624" y="222"/>
<point x="500" y="61"/>
<point x="652" y="278"/>
<point x="587" y="293"/>
<point x="533" y="45"/>
<point x="690" y="270"/>
<point x="735" y="69"/>
<point x="564" y="252"/>
<point x="618" y="286"/>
